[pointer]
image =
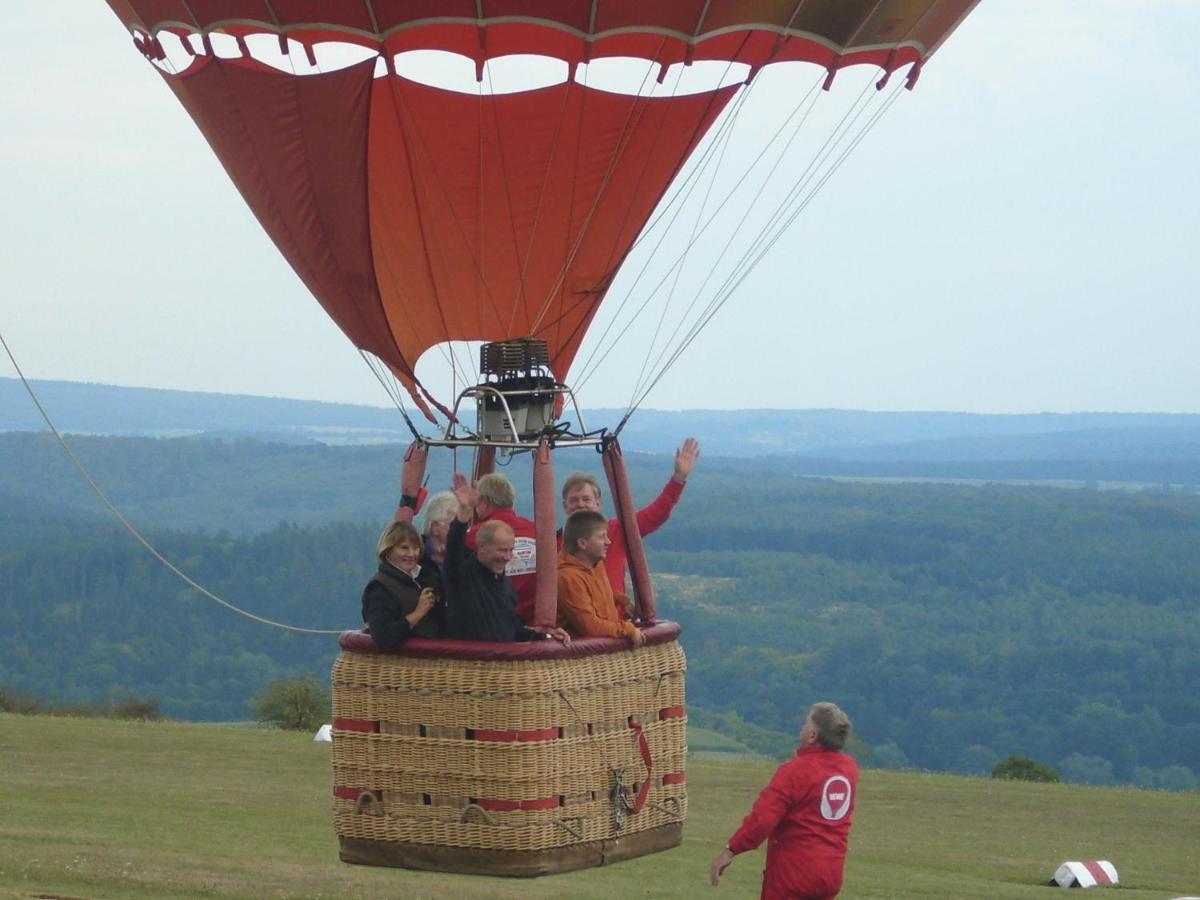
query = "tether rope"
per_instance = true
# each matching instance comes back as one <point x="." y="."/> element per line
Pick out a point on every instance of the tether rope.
<point x="132" y="529"/>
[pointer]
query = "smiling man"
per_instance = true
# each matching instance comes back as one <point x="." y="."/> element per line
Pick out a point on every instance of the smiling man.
<point x="586" y="605"/>
<point x="495" y="502"/>
<point x="480" y="605"/>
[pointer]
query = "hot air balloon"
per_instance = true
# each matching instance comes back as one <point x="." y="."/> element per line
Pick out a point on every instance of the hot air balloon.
<point x="419" y="215"/>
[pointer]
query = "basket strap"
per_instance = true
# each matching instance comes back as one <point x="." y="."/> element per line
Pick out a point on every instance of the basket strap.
<point x="644" y="748"/>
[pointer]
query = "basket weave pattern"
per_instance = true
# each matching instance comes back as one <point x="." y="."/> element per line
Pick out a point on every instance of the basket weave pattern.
<point x="506" y="755"/>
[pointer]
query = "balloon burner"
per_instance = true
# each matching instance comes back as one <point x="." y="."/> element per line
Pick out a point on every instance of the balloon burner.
<point x="516" y="398"/>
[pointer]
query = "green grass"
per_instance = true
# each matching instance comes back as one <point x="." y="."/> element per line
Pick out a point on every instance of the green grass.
<point x="704" y="740"/>
<point x="102" y="809"/>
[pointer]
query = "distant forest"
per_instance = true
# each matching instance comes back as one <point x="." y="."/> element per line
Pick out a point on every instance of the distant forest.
<point x="957" y="623"/>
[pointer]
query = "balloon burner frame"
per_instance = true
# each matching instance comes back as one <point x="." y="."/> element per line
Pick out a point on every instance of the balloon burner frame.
<point x="517" y="402"/>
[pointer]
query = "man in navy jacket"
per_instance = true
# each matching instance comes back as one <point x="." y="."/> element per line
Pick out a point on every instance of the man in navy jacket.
<point x="481" y="602"/>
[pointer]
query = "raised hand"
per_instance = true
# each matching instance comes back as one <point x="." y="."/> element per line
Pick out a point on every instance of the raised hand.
<point x="466" y="494"/>
<point x="685" y="459"/>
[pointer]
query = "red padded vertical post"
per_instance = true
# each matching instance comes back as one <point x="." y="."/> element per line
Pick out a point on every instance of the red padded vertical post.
<point x="639" y="571"/>
<point x="412" y="476"/>
<point x="545" y="518"/>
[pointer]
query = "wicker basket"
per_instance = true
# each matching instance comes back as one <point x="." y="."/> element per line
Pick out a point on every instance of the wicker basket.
<point x="509" y="759"/>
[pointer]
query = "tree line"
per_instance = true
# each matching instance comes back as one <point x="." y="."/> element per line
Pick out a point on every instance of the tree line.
<point x="959" y="625"/>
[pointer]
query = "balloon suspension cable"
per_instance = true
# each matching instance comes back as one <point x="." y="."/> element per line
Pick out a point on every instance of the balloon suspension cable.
<point x="132" y="529"/>
<point x="389" y="382"/>
<point x="391" y="388"/>
<point x="801" y="182"/>
<point x="691" y="242"/>
<point x="674" y="207"/>
<point x="505" y="181"/>
<point x="804" y="105"/>
<point x="763" y="243"/>
<point x="807" y="103"/>
<point x="751" y="257"/>
<point x="720" y="137"/>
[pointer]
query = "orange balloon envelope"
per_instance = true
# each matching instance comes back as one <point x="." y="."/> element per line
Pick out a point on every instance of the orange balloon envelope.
<point x="418" y="215"/>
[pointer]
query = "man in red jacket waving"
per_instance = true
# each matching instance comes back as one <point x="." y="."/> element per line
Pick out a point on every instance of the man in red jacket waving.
<point x="804" y="814"/>
<point x="582" y="491"/>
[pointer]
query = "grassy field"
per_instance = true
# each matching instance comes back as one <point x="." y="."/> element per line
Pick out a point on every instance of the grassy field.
<point x="103" y="809"/>
<point x="703" y="740"/>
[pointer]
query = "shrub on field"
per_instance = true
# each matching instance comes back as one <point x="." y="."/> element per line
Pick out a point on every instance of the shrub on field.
<point x="298" y="704"/>
<point x="14" y="701"/>
<point x="1022" y="768"/>
<point x="137" y="708"/>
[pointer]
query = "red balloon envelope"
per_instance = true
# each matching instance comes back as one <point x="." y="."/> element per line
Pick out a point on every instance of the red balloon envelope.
<point x="418" y="215"/>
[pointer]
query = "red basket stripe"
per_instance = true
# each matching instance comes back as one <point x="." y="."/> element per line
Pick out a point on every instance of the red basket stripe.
<point x="353" y="793"/>
<point x="355" y="725"/>
<point x="510" y="805"/>
<point x="671" y="712"/>
<point x="674" y="778"/>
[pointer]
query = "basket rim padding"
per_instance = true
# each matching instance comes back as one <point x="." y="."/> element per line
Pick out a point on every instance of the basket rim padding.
<point x="661" y="632"/>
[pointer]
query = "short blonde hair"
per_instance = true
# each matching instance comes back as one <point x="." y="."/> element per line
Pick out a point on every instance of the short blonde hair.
<point x="498" y="490"/>
<point x="395" y="534"/>
<point x="580" y="526"/>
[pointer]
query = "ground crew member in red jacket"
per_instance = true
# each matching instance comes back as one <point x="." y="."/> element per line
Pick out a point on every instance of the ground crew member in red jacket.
<point x="804" y="814"/>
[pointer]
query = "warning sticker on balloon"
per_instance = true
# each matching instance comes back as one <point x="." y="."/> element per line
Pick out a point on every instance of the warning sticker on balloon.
<point x="835" y="798"/>
<point x="524" y="559"/>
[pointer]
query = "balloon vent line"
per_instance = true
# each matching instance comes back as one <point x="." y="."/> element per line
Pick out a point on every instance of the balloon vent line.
<point x="132" y="529"/>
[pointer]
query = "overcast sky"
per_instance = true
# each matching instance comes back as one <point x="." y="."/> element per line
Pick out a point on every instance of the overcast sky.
<point x="1018" y="234"/>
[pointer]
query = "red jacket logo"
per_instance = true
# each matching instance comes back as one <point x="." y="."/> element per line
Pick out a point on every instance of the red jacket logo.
<point x="835" y="797"/>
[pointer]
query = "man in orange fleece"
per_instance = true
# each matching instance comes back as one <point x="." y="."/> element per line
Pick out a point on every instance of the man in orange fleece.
<point x="586" y="607"/>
